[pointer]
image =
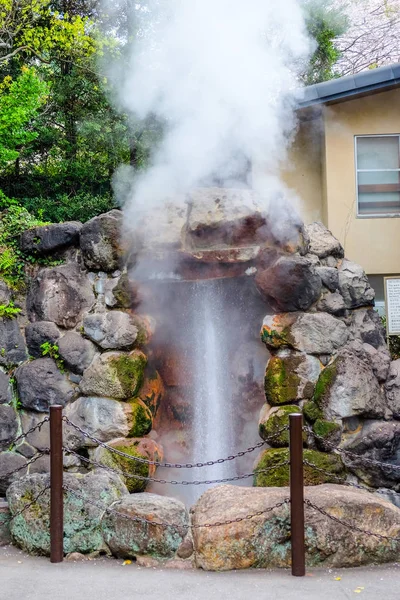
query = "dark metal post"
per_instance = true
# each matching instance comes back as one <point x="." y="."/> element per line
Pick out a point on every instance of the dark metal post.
<point x="297" y="495"/>
<point x="56" y="483"/>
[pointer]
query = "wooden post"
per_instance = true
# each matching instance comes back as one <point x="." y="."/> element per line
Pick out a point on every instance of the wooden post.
<point x="297" y="495"/>
<point x="56" y="486"/>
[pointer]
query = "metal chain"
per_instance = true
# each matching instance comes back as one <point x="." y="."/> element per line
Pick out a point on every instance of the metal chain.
<point x="27" y="506"/>
<point x="209" y="463"/>
<point x="174" y="525"/>
<point x="31" y="430"/>
<point x="349" y="525"/>
<point x="25" y="465"/>
<point x="370" y="461"/>
<point x="172" y="482"/>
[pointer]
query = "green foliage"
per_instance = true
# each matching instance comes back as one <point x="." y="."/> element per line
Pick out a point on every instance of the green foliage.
<point x="52" y="351"/>
<point x="64" y="207"/>
<point x="9" y="311"/>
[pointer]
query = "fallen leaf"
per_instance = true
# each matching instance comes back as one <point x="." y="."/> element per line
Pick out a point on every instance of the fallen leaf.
<point x="126" y="562"/>
<point x="338" y="579"/>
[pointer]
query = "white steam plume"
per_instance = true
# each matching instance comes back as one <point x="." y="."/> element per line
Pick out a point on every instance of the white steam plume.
<point x="221" y="74"/>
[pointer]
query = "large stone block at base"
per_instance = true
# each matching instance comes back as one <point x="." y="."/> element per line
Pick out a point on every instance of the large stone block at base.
<point x="82" y="533"/>
<point x="264" y="541"/>
<point x="5" y="533"/>
<point x="128" y="539"/>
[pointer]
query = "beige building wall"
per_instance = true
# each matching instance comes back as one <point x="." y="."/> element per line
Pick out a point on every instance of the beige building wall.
<point x="370" y="241"/>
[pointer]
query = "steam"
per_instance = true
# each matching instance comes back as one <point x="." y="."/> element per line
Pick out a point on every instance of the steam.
<point x="221" y="77"/>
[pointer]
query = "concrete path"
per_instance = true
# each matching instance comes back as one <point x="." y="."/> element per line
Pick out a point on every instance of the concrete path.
<point x="27" y="578"/>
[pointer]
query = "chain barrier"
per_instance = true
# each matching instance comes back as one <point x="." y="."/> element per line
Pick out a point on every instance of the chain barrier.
<point x="358" y="457"/>
<point x="349" y="525"/>
<point x="27" y="506"/>
<point x="177" y="526"/>
<point x="38" y="426"/>
<point x="155" y="463"/>
<point x="29" y="462"/>
<point x="172" y="482"/>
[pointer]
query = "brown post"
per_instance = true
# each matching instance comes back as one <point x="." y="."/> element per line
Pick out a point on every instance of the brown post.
<point x="56" y="483"/>
<point x="297" y="495"/>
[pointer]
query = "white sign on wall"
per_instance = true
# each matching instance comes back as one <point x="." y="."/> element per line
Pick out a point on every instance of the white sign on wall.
<point x="392" y="296"/>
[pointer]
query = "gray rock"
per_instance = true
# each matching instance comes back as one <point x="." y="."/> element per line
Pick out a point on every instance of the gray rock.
<point x="41" y="384"/>
<point x="245" y="544"/>
<point x="379" y="361"/>
<point x="5" y="388"/>
<point x="127" y="539"/>
<point x="103" y="418"/>
<point x="40" y="438"/>
<point x="111" y="330"/>
<point x="332" y="304"/>
<point x="76" y="352"/>
<point x="8" y="425"/>
<point x="82" y="531"/>
<point x="366" y="326"/>
<point x="354" y="285"/>
<point x="114" y="375"/>
<point x="329" y="277"/>
<point x="26" y="449"/>
<point x="392" y="388"/>
<point x="101" y="242"/>
<point x="322" y="242"/>
<point x="290" y="284"/>
<point x="9" y="463"/>
<point x="5" y="533"/>
<point x="377" y="441"/>
<point x="5" y="293"/>
<point x="348" y="387"/>
<point x="41" y="465"/>
<point x="39" y="333"/>
<point x="48" y="238"/>
<point x="297" y="374"/>
<point x="318" y="333"/>
<point x="60" y="294"/>
<point x="12" y="344"/>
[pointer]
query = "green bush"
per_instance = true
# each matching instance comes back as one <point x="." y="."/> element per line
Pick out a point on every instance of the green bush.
<point x="63" y="207"/>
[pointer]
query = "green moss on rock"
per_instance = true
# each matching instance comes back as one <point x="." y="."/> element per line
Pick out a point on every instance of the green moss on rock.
<point x="132" y="467"/>
<point x="129" y="370"/>
<point x="279" y="477"/>
<point x="312" y="412"/>
<point x="276" y="419"/>
<point x="324" y="383"/>
<point x="281" y="381"/>
<point x="329" y="431"/>
<point x="141" y="418"/>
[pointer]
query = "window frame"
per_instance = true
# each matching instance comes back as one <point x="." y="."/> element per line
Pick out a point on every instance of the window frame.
<point x="389" y="215"/>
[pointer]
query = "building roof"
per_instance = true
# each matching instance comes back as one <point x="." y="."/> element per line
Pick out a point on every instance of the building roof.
<point x="352" y="86"/>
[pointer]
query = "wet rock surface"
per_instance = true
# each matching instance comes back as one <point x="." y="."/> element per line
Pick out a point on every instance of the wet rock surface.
<point x="111" y="330"/>
<point x="41" y="384"/>
<point x="100" y="242"/>
<point x="76" y="351"/>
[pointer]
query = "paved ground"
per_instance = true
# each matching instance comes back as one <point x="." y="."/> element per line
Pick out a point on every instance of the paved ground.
<point x="26" y="578"/>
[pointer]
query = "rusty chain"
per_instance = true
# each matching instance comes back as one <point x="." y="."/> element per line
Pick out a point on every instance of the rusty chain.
<point x="29" y="462"/>
<point x="27" y="506"/>
<point x="175" y="525"/>
<point x="209" y="463"/>
<point x="172" y="482"/>
<point x="38" y="426"/>
<point x="349" y="525"/>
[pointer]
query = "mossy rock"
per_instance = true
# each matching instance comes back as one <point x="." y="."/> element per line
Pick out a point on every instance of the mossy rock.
<point x="312" y="412"/>
<point x="324" y="383"/>
<point x="275" y="339"/>
<point x="129" y="370"/>
<point x="272" y="421"/>
<point x="123" y="292"/>
<point x="281" y="382"/>
<point x="279" y="477"/>
<point x="125" y="464"/>
<point x="140" y="418"/>
<point x="329" y="431"/>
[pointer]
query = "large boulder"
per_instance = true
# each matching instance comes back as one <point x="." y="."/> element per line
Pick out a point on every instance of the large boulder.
<point x="8" y="425"/>
<point x="321" y="241"/>
<point x="60" y="294"/>
<point x="290" y="284"/>
<point x="49" y="238"/>
<point x="332" y="303"/>
<point x="273" y="420"/>
<point x="129" y="539"/>
<point x="82" y="520"/>
<point x="133" y="464"/>
<point x="41" y="384"/>
<point x="103" y="418"/>
<point x="12" y="344"/>
<point x="348" y="387"/>
<point x="76" y="351"/>
<point x="392" y="388"/>
<point x="329" y="277"/>
<point x="5" y="388"/>
<point x="290" y="376"/>
<point x="39" y="333"/>
<point x="354" y="285"/>
<point x="264" y="541"/>
<point x="114" y="375"/>
<point x="101" y="242"/>
<point x="12" y="467"/>
<point x="313" y="333"/>
<point x="373" y="441"/>
<point x="112" y="330"/>
<point x="366" y="326"/>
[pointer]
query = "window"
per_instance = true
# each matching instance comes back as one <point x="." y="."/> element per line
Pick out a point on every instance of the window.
<point x="378" y="175"/>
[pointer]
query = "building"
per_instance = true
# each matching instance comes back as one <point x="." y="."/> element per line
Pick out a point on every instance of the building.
<point x="345" y="166"/>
